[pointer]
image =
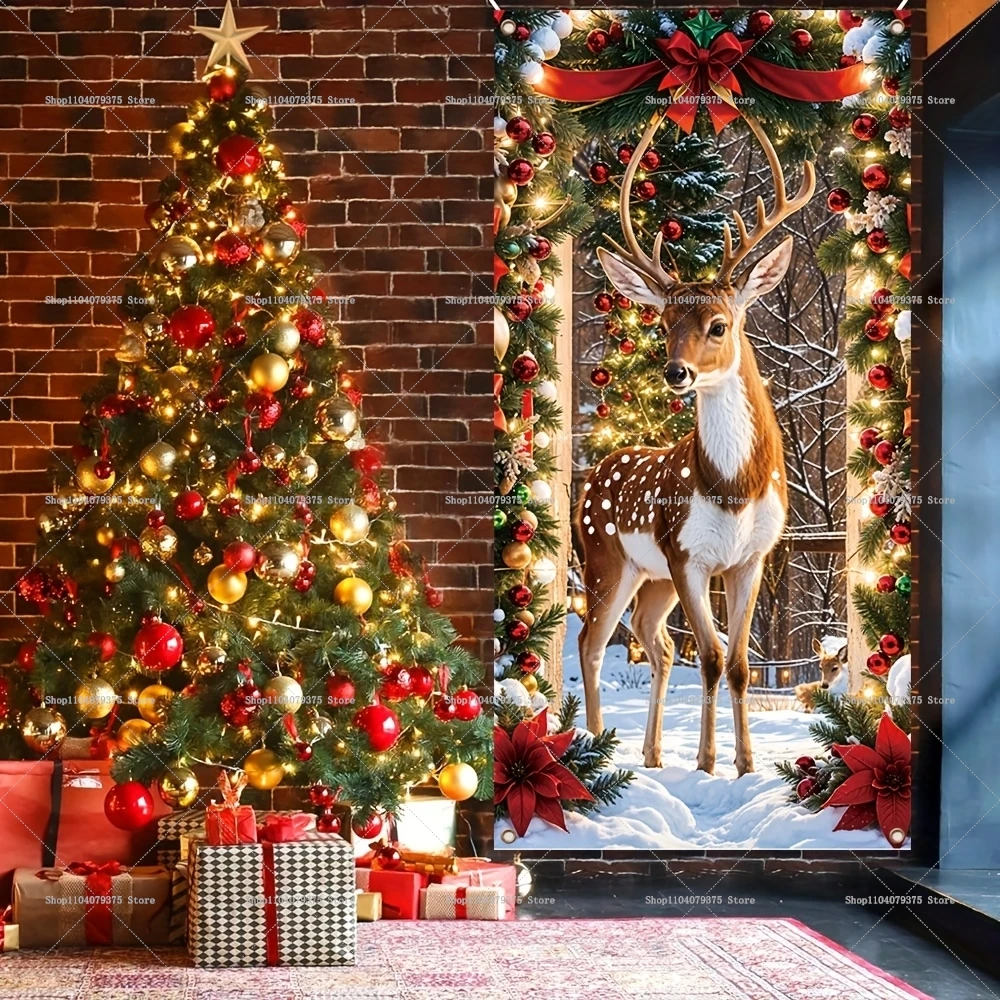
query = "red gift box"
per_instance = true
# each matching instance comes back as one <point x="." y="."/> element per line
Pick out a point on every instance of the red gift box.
<point x="474" y="871"/>
<point x="400" y="891"/>
<point x="228" y="822"/>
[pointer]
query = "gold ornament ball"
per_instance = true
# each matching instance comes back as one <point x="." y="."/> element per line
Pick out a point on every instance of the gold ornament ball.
<point x="179" y="786"/>
<point x="420" y="638"/>
<point x="105" y="535"/>
<point x="226" y="585"/>
<point x="284" y="693"/>
<point x="210" y="660"/>
<point x="283" y="336"/>
<point x="525" y="616"/>
<point x="320" y="725"/>
<point x="303" y="470"/>
<point x="516" y="555"/>
<point x="70" y="499"/>
<point x="458" y="782"/>
<point x="95" y="698"/>
<point x="529" y="517"/>
<point x="132" y="732"/>
<point x="207" y="458"/>
<point x="337" y="418"/>
<point x="203" y="554"/>
<point x="154" y="703"/>
<point x="48" y="521"/>
<point x="178" y="254"/>
<point x="158" y="543"/>
<point x="504" y="191"/>
<point x="273" y="456"/>
<point x="277" y="562"/>
<point x="89" y="481"/>
<point x="269" y="371"/>
<point x="352" y="592"/>
<point x="114" y="572"/>
<point x="158" y="461"/>
<point x="349" y="524"/>
<point x="175" y="139"/>
<point x="263" y="769"/>
<point x="131" y="349"/>
<point x="530" y="683"/>
<point x="154" y="324"/>
<point x="42" y="729"/>
<point x="279" y="243"/>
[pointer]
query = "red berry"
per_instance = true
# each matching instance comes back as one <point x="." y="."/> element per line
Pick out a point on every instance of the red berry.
<point x="884" y="452"/>
<point x="519" y="129"/>
<point x="600" y="173"/>
<point x="879" y="506"/>
<point x="625" y="151"/>
<point x="869" y="437"/>
<point x="878" y="664"/>
<point x="603" y="302"/>
<point x="597" y="41"/>
<point x="805" y="788"/>
<point x="651" y="160"/>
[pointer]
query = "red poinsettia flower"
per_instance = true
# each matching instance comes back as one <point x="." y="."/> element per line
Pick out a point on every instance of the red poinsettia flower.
<point x="878" y="789"/>
<point x="528" y="776"/>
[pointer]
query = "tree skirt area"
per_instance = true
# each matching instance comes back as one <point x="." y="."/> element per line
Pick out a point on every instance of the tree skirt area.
<point x="664" y="959"/>
<point x="679" y="807"/>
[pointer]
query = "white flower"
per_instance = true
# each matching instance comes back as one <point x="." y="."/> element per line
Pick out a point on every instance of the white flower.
<point x="878" y="208"/>
<point x="894" y="488"/>
<point x="855" y="38"/>
<point x="667" y="26"/>
<point x="856" y="222"/>
<point x="873" y="48"/>
<point x="903" y="326"/>
<point x="899" y="141"/>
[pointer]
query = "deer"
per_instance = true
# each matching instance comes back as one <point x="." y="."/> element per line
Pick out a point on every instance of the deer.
<point x="832" y="675"/>
<point x="656" y="524"/>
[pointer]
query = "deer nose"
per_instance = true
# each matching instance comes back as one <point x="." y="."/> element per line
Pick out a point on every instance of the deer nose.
<point x="678" y="375"/>
<point x="825" y="685"/>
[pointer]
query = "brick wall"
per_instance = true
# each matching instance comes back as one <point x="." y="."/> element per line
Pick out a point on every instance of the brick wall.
<point x="395" y="187"/>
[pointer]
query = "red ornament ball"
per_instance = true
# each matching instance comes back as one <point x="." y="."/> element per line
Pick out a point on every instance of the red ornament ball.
<point x="600" y="172"/>
<point x="846" y="61"/>
<point x="805" y="763"/>
<point x="522" y="33"/>
<point x="875" y="177"/>
<point x="367" y="460"/>
<point x="612" y="327"/>
<point x="622" y="301"/>
<point x="759" y="23"/>
<point x="467" y="705"/>
<point x="899" y="118"/>
<point x="379" y="724"/>
<point x="339" y="690"/>
<point x="877" y="241"/>
<point x="805" y="788"/>
<point x="648" y="316"/>
<point x="524" y="367"/>
<point x="520" y="171"/>
<point x="234" y="336"/>
<point x="890" y="85"/>
<point x="239" y="556"/>
<point x="303" y="750"/>
<point x="522" y="531"/>
<point x="603" y="302"/>
<point x="676" y="405"/>
<point x="389" y="858"/>
<point x="519" y="129"/>
<point x="625" y="151"/>
<point x="26" y="655"/>
<point x="371" y="827"/>
<point x="878" y="664"/>
<point x="627" y="346"/>
<point x="158" y="646"/>
<point x="891" y="644"/>
<point x="248" y="462"/>
<point x="520" y="595"/>
<point x="129" y="806"/>
<point x="232" y="250"/>
<point x="645" y="190"/>
<point x="520" y="309"/>
<point x="322" y="796"/>
<point x="328" y="823"/>
<point x="266" y="407"/>
<point x="672" y="230"/>
<point x="616" y="31"/>
<point x="884" y="452"/>
<point x="838" y="200"/>
<point x="597" y="41"/>
<point x="869" y="437"/>
<point x="444" y="709"/>
<point x="886" y="584"/>
<point x="191" y="327"/>
<point x="103" y="469"/>
<point x="880" y="377"/>
<point x="544" y="144"/>
<point x="189" y="505"/>
<point x="311" y="327"/>
<point x="540" y="247"/>
<point x="237" y="156"/>
<point x="801" y="41"/>
<point x="651" y="160"/>
<point x="518" y="631"/>
<point x="305" y="577"/>
<point x="528" y="661"/>
<point x="221" y="87"/>
<point x="901" y="533"/>
<point x="421" y="682"/>
<point x="879" y="506"/>
<point x="396" y="683"/>
<point x="600" y="377"/>
<point x="865" y="127"/>
<point x="627" y="396"/>
<point x="847" y="19"/>
<point x="876" y="329"/>
<point x="882" y="302"/>
<point x="105" y="645"/>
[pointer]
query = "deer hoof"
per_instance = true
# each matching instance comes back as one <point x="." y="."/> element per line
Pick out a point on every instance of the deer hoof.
<point x="708" y="766"/>
<point x="652" y="759"/>
<point x="744" y="767"/>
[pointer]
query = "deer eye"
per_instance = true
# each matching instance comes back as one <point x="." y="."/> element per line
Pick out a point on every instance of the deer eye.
<point x="717" y="330"/>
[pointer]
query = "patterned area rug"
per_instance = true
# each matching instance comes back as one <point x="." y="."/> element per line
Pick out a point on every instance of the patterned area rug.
<point x="655" y="959"/>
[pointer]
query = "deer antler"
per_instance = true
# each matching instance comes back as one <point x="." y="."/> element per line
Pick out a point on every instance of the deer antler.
<point x="651" y="266"/>
<point x="783" y="208"/>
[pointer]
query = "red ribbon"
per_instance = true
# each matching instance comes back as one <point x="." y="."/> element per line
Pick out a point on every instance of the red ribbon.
<point x="499" y="420"/>
<point x="270" y="904"/>
<point x="284" y="829"/>
<point x="683" y="64"/>
<point x="98" y="919"/>
<point x="461" y="907"/>
<point x="906" y="263"/>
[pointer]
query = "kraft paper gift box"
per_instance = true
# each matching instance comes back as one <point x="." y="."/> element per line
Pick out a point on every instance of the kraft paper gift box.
<point x="92" y="904"/>
<point x="369" y="905"/>
<point x="10" y="936"/>
<point x="478" y="872"/>
<point x="286" y="903"/>
<point x="462" y="902"/>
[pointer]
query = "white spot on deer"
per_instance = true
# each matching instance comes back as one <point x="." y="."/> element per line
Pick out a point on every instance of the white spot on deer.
<point x="586" y="504"/>
<point x="609" y="528"/>
<point x="586" y="519"/>
<point x="616" y="476"/>
<point x="659" y="461"/>
<point x="685" y="472"/>
<point x="607" y="482"/>
<point x="586" y="486"/>
<point x="605" y="504"/>
<point x="590" y="531"/>
<point x="625" y="459"/>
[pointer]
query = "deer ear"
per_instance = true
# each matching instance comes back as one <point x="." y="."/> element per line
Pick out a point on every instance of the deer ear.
<point x="765" y="275"/>
<point x="817" y="647"/>
<point x="631" y="283"/>
<point x="842" y="653"/>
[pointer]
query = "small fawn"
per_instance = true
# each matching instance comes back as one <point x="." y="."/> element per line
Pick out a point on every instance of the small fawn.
<point x="656" y="524"/>
<point x="833" y="675"/>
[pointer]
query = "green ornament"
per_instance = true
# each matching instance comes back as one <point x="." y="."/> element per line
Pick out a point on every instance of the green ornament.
<point x="904" y="585"/>
<point x="499" y="519"/>
<point x="704" y="28"/>
<point x="522" y="493"/>
<point x="511" y="250"/>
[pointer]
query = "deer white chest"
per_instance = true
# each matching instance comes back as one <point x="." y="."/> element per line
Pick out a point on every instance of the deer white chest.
<point x="717" y="538"/>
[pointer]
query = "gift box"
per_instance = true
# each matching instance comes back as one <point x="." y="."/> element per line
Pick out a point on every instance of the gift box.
<point x="478" y="872"/>
<point x="269" y="903"/>
<point x="462" y="902"/>
<point x="178" y="903"/>
<point x="88" y="903"/>
<point x="369" y="905"/>
<point x="9" y="933"/>
<point x="227" y="822"/>
<point x="174" y="832"/>
<point x="52" y="813"/>
<point x="400" y="890"/>
<point x="425" y="821"/>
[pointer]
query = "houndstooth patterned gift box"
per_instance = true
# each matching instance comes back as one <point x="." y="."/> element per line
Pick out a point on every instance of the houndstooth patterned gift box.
<point x="272" y="904"/>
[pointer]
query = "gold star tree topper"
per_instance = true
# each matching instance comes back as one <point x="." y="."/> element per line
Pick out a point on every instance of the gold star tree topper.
<point x="227" y="41"/>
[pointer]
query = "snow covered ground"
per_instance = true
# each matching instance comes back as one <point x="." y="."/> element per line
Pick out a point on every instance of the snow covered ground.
<point x="678" y="807"/>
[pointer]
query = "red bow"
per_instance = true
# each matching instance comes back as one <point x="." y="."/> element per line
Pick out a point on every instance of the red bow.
<point x="283" y="829"/>
<point x="696" y="71"/>
<point x="86" y="868"/>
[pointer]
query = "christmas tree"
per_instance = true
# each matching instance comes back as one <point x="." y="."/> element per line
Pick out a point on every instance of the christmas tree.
<point x="222" y="576"/>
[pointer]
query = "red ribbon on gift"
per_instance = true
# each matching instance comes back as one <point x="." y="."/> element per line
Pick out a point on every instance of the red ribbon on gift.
<point x="703" y="76"/>
<point x="270" y="904"/>
<point x="284" y="829"/>
<point x="98" y="919"/>
<point x="461" y="903"/>
<point x="499" y="420"/>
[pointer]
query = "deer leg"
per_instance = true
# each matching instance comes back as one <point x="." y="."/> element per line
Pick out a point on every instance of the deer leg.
<point x="655" y="600"/>
<point x="742" y="584"/>
<point x="607" y="599"/>
<point x="692" y="588"/>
